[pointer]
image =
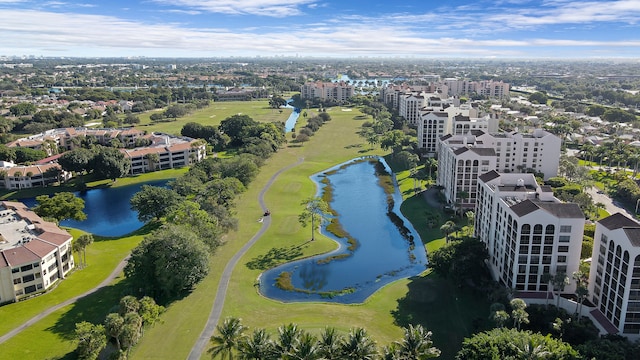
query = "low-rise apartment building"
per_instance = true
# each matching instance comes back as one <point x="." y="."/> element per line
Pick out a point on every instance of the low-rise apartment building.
<point x="166" y="152"/>
<point x="34" y="254"/>
<point x="327" y="91"/>
<point x="17" y="177"/>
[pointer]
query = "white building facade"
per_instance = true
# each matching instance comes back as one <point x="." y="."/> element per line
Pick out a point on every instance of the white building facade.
<point x="614" y="277"/>
<point x="34" y="254"/>
<point x="527" y="231"/>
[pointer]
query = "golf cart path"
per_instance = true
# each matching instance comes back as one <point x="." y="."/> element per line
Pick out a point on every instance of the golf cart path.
<point x="115" y="273"/>
<point x="221" y="293"/>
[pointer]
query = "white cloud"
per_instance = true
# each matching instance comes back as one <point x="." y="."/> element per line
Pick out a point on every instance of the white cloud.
<point x="572" y="12"/>
<point x="273" y="8"/>
<point x="31" y="31"/>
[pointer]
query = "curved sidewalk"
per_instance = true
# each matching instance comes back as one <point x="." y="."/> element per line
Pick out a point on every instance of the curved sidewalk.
<point x="221" y="293"/>
<point x="70" y="301"/>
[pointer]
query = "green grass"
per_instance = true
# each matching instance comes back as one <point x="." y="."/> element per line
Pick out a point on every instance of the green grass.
<point x="259" y="110"/>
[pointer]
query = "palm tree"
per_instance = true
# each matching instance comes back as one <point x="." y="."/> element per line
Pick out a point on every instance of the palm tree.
<point x="546" y="278"/>
<point x="559" y="281"/>
<point x="431" y="164"/>
<point x="582" y="290"/>
<point x="447" y="228"/>
<point x="82" y="242"/>
<point x="531" y="350"/>
<point x="358" y="346"/>
<point x="288" y="336"/>
<point x="258" y="346"/>
<point x="306" y="348"/>
<point x="228" y="340"/>
<point x="329" y="344"/>
<point x="471" y="217"/>
<point x="416" y="344"/>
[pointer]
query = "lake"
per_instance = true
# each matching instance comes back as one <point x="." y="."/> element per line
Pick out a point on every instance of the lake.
<point x="383" y="254"/>
<point x="108" y="210"/>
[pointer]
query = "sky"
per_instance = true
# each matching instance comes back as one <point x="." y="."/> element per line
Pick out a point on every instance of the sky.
<point x="322" y="28"/>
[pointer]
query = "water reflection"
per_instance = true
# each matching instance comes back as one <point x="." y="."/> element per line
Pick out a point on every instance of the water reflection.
<point x="382" y="256"/>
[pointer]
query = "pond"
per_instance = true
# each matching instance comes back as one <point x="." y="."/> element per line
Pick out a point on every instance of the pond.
<point x="108" y="210"/>
<point x="383" y="254"/>
<point x="290" y="124"/>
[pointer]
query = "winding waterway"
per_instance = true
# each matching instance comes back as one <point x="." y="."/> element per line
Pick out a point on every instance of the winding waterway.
<point x="383" y="255"/>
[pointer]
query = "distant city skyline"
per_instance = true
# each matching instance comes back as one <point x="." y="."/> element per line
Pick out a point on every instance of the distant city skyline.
<point x="518" y="29"/>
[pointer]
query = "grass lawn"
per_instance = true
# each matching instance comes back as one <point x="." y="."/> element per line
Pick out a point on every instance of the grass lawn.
<point x="49" y="338"/>
<point x="259" y="110"/>
<point x="334" y="143"/>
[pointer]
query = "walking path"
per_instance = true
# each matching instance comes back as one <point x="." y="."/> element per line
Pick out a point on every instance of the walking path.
<point x="221" y="293"/>
<point x="117" y="271"/>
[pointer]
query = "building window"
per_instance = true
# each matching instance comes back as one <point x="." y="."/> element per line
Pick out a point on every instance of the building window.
<point x="17" y="281"/>
<point x="564" y="238"/>
<point x="563" y="249"/>
<point x="562" y="259"/>
<point x="565" y="228"/>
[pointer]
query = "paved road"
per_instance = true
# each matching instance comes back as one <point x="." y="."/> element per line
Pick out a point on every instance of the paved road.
<point x="221" y="293"/>
<point x="117" y="271"/>
<point x="609" y="204"/>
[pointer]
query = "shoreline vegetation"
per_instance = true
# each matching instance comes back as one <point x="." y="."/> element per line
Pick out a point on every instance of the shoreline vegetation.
<point x="385" y="181"/>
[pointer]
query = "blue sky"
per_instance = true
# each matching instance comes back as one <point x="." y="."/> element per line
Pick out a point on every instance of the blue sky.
<point x="332" y="28"/>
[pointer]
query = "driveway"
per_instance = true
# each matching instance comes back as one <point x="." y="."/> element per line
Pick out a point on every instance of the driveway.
<point x="610" y="205"/>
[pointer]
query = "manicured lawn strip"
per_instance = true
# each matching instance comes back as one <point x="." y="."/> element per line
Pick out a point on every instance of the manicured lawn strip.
<point x="168" y="174"/>
<point x="259" y="110"/>
<point x="102" y="258"/>
<point x="52" y="337"/>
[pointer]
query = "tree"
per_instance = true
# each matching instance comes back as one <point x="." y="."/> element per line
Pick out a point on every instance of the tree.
<point x="315" y="211"/>
<point x="60" y="206"/>
<point x="288" y="336"/>
<point x="82" y="242"/>
<point x="168" y="262"/>
<point x="447" y="228"/>
<point x="503" y="344"/>
<point x="152" y="160"/>
<point x="23" y="108"/>
<point x="153" y="202"/>
<point x="559" y="281"/>
<point x="329" y="343"/>
<point x="131" y="119"/>
<point x="518" y="312"/>
<point x="91" y="340"/>
<point x="228" y="340"/>
<point x="257" y="346"/>
<point x="358" y="346"/>
<point x="498" y="314"/>
<point x="114" y="325"/>
<point x="582" y="289"/>
<point x="109" y="163"/>
<point x="416" y="344"/>
<point x="538" y="98"/>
